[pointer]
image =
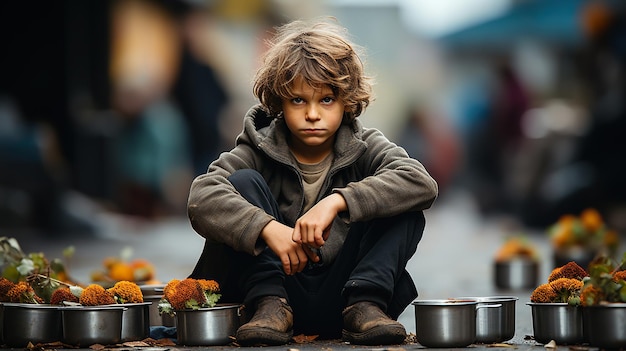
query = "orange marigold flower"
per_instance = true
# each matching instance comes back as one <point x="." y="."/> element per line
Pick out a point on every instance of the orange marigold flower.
<point x="544" y="293"/>
<point x="5" y="286"/>
<point x="170" y="289"/>
<point x="591" y="295"/>
<point x="569" y="285"/>
<point x="611" y="238"/>
<point x="62" y="294"/>
<point x="570" y="270"/>
<point x="209" y="285"/>
<point x="186" y="290"/>
<point x="94" y="295"/>
<point x="591" y="220"/>
<point x="126" y="292"/>
<point x="22" y="292"/>
<point x="619" y="275"/>
<point x="563" y="231"/>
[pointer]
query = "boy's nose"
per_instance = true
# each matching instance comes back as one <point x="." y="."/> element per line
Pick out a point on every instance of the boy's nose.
<point x="312" y="112"/>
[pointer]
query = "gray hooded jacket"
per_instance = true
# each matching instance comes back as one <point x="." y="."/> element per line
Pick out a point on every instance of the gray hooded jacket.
<point x="376" y="177"/>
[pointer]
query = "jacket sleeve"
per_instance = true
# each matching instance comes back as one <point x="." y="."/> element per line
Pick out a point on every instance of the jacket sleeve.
<point x="394" y="182"/>
<point x="218" y="212"/>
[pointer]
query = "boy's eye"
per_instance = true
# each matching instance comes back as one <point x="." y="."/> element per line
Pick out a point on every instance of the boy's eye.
<point x="327" y="100"/>
<point x="297" y="100"/>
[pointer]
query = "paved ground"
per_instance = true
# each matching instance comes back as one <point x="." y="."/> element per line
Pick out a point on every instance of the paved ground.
<point x="455" y="258"/>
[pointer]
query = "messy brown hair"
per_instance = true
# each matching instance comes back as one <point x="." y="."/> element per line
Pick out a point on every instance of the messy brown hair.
<point x="321" y="54"/>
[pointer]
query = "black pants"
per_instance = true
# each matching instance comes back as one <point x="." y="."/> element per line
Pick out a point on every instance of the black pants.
<point x="370" y="267"/>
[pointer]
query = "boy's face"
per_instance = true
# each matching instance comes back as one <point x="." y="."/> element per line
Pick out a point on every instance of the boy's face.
<point x="312" y="115"/>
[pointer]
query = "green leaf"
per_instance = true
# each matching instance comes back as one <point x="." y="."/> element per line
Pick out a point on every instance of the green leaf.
<point x="212" y="299"/>
<point x="11" y="273"/>
<point x="26" y="267"/>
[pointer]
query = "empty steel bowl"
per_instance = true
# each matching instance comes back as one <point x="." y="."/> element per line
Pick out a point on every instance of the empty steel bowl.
<point x="557" y="321"/>
<point x="445" y="323"/>
<point x="136" y="321"/>
<point x="88" y="325"/>
<point x="497" y="322"/>
<point x="24" y="323"/>
<point x="207" y="326"/>
<point x="516" y="274"/>
<point x="154" y="293"/>
<point x="605" y="325"/>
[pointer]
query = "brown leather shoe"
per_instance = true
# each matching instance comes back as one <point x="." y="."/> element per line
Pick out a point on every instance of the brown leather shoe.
<point x="364" y="323"/>
<point x="272" y="323"/>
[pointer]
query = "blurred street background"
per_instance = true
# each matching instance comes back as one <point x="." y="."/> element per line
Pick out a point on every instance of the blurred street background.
<point x="109" y="109"/>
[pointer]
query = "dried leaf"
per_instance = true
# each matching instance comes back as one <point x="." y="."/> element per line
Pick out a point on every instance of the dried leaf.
<point x="97" y="347"/>
<point x="304" y="339"/>
<point x="160" y="342"/>
<point x="135" y="344"/>
<point x="502" y="345"/>
<point x="550" y="345"/>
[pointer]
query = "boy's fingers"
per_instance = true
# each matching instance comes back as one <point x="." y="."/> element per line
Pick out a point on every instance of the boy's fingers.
<point x="296" y="237"/>
<point x="311" y="254"/>
<point x="286" y="264"/>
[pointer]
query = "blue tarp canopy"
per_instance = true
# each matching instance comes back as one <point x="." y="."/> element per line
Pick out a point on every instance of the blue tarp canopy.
<point x="552" y="21"/>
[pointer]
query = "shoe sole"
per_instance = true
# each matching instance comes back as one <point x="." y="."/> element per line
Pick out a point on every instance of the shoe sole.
<point x="379" y="335"/>
<point x="262" y="336"/>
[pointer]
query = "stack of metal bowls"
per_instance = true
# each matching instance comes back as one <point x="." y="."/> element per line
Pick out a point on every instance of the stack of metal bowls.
<point x="496" y="322"/>
<point x="153" y="294"/>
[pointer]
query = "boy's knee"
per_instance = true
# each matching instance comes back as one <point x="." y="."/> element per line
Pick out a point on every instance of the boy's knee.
<point x="244" y="177"/>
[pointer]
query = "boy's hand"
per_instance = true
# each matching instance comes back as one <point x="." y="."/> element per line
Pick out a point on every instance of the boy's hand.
<point x="312" y="229"/>
<point x="278" y="238"/>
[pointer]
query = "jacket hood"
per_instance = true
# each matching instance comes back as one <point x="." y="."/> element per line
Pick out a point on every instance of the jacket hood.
<point x="269" y="134"/>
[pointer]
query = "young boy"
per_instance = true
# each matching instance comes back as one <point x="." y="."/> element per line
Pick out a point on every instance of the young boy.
<point x="311" y="219"/>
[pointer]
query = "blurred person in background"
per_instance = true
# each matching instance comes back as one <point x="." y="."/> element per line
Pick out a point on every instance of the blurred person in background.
<point x="151" y="151"/>
<point x="429" y="137"/>
<point x="591" y="173"/>
<point x="198" y="90"/>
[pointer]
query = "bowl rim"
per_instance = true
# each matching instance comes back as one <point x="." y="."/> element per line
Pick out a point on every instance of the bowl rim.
<point x="607" y="305"/>
<point x="94" y="308"/>
<point x="483" y="299"/>
<point x="445" y="302"/>
<point x="219" y="306"/>
<point x="31" y="305"/>
<point x="565" y="304"/>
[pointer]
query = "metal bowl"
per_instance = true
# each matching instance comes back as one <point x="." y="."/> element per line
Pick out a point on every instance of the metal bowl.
<point x="516" y="274"/>
<point x="24" y="323"/>
<point x="88" y="325"/>
<point x="445" y="323"/>
<point x="557" y="321"/>
<point x="605" y="325"/>
<point x="496" y="323"/>
<point x="153" y="293"/>
<point x="156" y="319"/>
<point x="207" y="326"/>
<point x="136" y="321"/>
